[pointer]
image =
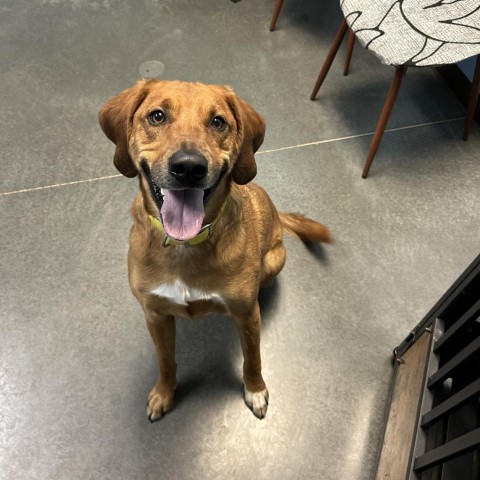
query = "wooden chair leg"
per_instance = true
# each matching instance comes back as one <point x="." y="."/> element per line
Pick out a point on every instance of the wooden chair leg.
<point x="276" y="12"/>
<point x="473" y="99"/>
<point x="348" y="55"/>
<point x="330" y="57"/>
<point x="382" y="121"/>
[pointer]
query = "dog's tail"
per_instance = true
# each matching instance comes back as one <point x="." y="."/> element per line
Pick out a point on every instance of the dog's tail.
<point x="305" y="229"/>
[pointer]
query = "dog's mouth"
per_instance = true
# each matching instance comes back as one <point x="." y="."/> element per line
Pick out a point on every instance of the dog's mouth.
<point x="182" y="211"/>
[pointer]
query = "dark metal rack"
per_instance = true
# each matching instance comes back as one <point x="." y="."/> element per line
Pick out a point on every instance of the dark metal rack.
<point x="443" y="436"/>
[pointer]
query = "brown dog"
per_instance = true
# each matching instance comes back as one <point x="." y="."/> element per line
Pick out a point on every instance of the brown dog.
<point x="203" y="240"/>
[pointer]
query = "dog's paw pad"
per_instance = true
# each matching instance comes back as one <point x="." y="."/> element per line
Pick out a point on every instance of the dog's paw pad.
<point x="257" y="402"/>
<point x="158" y="404"/>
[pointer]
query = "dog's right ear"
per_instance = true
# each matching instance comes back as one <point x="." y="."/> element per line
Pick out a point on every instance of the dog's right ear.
<point x="116" y="120"/>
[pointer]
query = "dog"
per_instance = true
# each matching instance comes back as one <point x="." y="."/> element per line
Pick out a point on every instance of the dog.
<point x="204" y="239"/>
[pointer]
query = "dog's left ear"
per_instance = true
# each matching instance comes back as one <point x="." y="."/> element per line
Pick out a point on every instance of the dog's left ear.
<point x="116" y="119"/>
<point x="251" y="131"/>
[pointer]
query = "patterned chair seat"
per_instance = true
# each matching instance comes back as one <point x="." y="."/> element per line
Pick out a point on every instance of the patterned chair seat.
<point x="416" y="32"/>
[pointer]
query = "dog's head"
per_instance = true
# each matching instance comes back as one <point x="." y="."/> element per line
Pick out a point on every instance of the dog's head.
<point x="184" y="140"/>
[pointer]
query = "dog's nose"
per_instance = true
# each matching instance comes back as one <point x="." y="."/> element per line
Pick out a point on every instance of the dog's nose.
<point x="188" y="167"/>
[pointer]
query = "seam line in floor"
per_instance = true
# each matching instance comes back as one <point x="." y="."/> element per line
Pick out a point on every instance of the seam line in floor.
<point x="260" y="152"/>
<point x="359" y="135"/>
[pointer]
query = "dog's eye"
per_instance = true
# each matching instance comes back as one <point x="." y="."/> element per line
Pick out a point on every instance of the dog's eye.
<point x="218" y="123"/>
<point x="156" y="117"/>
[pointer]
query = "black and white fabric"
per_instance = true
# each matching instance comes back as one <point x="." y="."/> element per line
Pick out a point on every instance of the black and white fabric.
<point x="416" y="32"/>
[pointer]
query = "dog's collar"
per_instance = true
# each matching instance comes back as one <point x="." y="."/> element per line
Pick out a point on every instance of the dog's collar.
<point x="202" y="235"/>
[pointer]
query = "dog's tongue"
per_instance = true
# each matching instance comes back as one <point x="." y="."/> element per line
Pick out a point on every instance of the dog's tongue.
<point x="182" y="213"/>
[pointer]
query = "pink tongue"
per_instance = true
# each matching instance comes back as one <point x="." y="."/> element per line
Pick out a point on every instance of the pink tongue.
<point x="182" y="213"/>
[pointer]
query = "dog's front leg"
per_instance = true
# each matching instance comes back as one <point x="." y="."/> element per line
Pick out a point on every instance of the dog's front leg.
<point x="256" y="393"/>
<point x="162" y="330"/>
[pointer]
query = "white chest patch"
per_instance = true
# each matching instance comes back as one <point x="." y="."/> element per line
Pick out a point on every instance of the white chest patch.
<point x="182" y="294"/>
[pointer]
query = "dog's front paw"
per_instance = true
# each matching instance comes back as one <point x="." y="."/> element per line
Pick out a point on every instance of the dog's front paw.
<point x="160" y="400"/>
<point x="257" y="402"/>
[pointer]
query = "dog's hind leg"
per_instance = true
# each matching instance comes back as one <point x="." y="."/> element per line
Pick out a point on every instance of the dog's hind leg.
<point x="162" y="331"/>
<point x="272" y="262"/>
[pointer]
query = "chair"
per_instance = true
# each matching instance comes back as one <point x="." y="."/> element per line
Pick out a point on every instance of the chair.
<point x="406" y="33"/>
<point x="276" y="12"/>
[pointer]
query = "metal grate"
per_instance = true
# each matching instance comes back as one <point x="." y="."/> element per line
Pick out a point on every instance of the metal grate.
<point x="446" y="442"/>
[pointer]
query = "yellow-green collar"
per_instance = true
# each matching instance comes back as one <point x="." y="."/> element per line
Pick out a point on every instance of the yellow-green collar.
<point x="204" y="233"/>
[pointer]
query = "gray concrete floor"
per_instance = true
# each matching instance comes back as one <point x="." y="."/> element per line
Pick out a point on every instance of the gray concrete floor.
<point x="76" y="362"/>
